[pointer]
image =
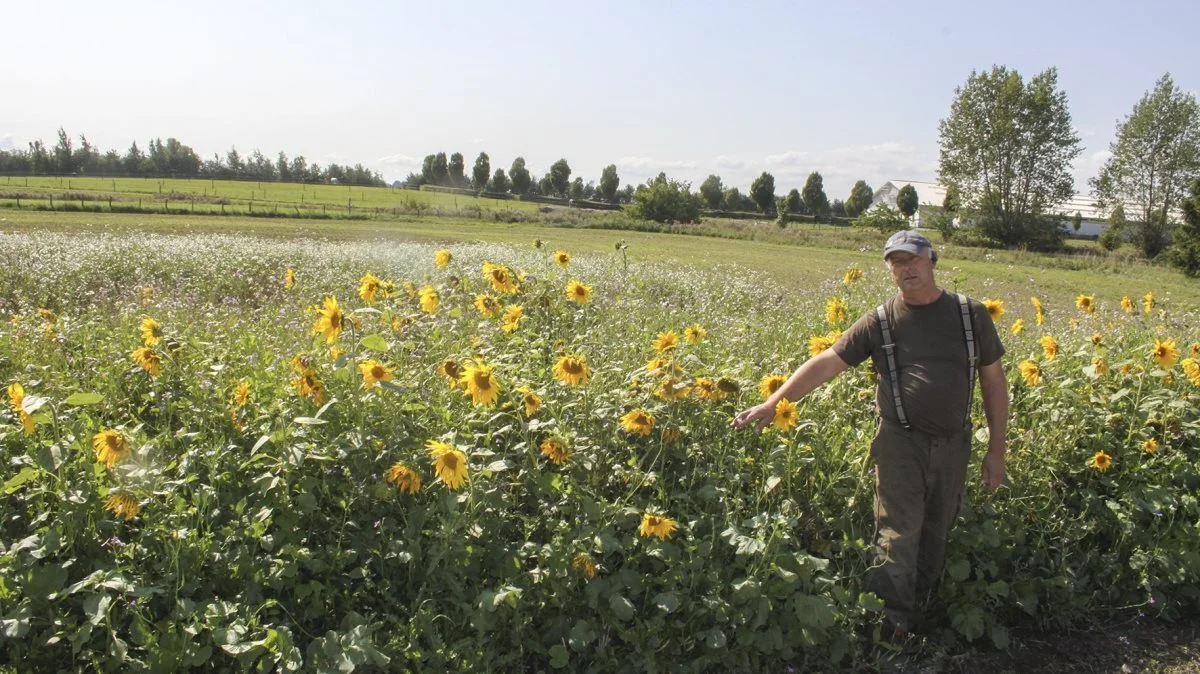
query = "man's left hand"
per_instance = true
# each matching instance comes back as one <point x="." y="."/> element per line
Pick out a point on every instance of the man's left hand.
<point x="993" y="469"/>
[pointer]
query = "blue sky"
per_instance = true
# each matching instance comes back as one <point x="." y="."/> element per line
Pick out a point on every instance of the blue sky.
<point x="853" y="90"/>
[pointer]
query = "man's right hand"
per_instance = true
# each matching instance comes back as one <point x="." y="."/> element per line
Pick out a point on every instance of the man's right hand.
<point x="759" y="415"/>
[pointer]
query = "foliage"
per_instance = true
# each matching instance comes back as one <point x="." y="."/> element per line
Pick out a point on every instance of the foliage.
<point x="1185" y="249"/>
<point x="907" y="201"/>
<point x="883" y="218"/>
<point x="1007" y="147"/>
<point x="1112" y="236"/>
<point x="762" y="192"/>
<point x="481" y="171"/>
<point x="560" y="177"/>
<point x="519" y="176"/>
<point x="666" y="200"/>
<point x="838" y="208"/>
<point x="792" y="202"/>
<point x="815" y="201"/>
<point x="499" y="182"/>
<point x="456" y="171"/>
<point x="734" y="200"/>
<point x="609" y="183"/>
<point x="861" y="196"/>
<point x="712" y="192"/>
<point x="952" y="203"/>
<point x="1154" y="156"/>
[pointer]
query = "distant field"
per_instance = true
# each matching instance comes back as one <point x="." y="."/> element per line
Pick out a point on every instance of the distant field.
<point x="238" y="196"/>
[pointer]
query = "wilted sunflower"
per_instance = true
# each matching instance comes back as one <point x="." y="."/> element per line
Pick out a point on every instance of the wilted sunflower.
<point x="694" y="334"/>
<point x="451" y="371"/>
<point x="111" y="447"/>
<point x="656" y="364"/>
<point x="995" y="308"/>
<point x="1100" y="461"/>
<point x="241" y="395"/>
<point x="16" y="400"/>
<point x="665" y="341"/>
<point x="706" y="389"/>
<point x="1097" y="339"/>
<point x="449" y="463"/>
<point x="1031" y="372"/>
<point x="530" y="400"/>
<point x="786" y="415"/>
<point x="1017" y="327"/>
<point x="1165" y="353"/>
<point x="1049" y="347"/>
<point x="479" y="382"/>
<point x="584" y="565"/>
<point x="429" y="299"/>
<point x="1086" y="303"/>
<point x="151" y="331"/>
<point x="122" y="505"/>
<point x="638" y="422"/>
<point x="853" y="275"/>
<point x="1037" y="308"/>
<point x="147" y="360"/>
<point x="672" y="388"/>
<point x="1150" y="446"/>
<point x="289" y="278"/>
<point x="374" y="372"/>
<point x="330" y="321"/>
<point x="1191" y="368"/>
<point x="562" y="258"/>
<point x="554" y="449"/>
<point x="572" y="369"/>
<point x="501" y="278"/>
<point x="442" y="258"/>
<point x="770" y="384"/>
<point x="405" y="478"/>
<point x="512" y="318"/>
<point x="656" y="525"/>
<point x="579" y="293"/>
<point x="368" y="285"/>
<point x="671" y="435"/>
<point x="727" y="385"/>
<point x="487" y="305"/>
<point x="1100" y="366"/>
<point x="308" y="386"/>
<point x="1127" y="305"/>
<point x="835" y="311"/>
<point x="1148" y="302"/>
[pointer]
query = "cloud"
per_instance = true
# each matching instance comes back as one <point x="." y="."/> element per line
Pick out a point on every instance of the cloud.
<point x="651" y="164"/>
<point x="400" y="161"/>
<point x="724" y="162"/>
<point x="7" y="143"/>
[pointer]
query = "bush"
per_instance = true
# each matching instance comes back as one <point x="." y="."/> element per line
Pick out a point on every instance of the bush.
<point x="666" y="200"/>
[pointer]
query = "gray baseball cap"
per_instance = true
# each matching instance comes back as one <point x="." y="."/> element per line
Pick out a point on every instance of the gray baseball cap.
<point x="908" y="241"/>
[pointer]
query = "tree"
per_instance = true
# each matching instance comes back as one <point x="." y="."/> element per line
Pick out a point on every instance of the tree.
<point x="625" y="194"/>
<point x="953" y="201"/>
<point x="577" y="188"/>
<point x="499" y="181"/>
<point x="815" y="200"/>
<point x="609" y="183"/>
<point x="441" y="170"/>
<point x="792" y="203"/>
<point x="882" y="217"/>
<point x="665" y="200"/>
<point x="762" y="191"/>
<point x="456" y="170"/>
<point x="838" y="208"/>
<point x="1077" y="221"/>
<point x="63" y="154"/>
<point x="861" y="196"/>
<point x="519" y="175"/>
<point x="560" y="177"/>
<point x="907" y="201"/>
<point x="481" y="171"/>
<point x="1185" y="250"/>
<point x="1112" y="236"/>
<point x="712" y="192"/>
<point x="1007" y="146"/>
<point x="736" y="201"/>
<point x="1155" y="154"/>
<point x="133" y="159"/>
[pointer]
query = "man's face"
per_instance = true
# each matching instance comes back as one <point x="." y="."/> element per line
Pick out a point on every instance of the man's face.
<point x="912" y="273"/>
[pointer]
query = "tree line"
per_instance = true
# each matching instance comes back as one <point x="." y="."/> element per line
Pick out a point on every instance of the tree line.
<point x="450" y="171"/>
<point x="173" y="159"/>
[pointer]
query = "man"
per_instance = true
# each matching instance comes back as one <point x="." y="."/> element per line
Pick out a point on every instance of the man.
<point x="922" y="445"/>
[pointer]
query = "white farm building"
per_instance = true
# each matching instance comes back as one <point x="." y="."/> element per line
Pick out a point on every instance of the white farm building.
<point x="932" y="195"/>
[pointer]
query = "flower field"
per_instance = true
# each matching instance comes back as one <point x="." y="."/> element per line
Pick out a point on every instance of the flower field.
<point x="246" y="454"/>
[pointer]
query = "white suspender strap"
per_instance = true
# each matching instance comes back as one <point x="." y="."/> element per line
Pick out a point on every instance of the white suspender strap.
<point x="889" y="349"/>
<point x="972" y="356"/>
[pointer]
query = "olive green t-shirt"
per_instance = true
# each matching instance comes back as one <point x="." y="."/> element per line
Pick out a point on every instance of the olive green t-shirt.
<point x="931" y="357"/>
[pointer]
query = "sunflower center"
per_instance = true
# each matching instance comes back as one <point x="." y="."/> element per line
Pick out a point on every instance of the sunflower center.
<point x="377" y="372"/>
<point x="572" y="366"/>
<point x="450" y="461"/>
<point x="483" y="381"/>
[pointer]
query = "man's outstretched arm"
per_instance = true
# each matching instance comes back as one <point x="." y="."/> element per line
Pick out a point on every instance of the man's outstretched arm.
<point x="995" y="406"/>
<point x="814" y="372"/>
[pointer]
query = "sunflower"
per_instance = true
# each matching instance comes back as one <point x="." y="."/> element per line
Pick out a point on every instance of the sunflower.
<point x="442" y="258"/>
<point x="374" y="372"/>
<point x="657" y="364"/>
<point x="147" y="360"/>
<point x="479" y="382"/>
<point x="584" y="565"/>
<point x="429" y="299"/>
<point x="1127" y="305"/>
<point x="672" y="388"/>
<point x="665" y="341"/>
<point x="336" y="352"/>
<point x="122" y="505"/>
<point x="501" y="278"/>
<point x="1086" y="303"/>
<point x="16" y="399"/>
<point x="289" y="278"/>
<point x="449" y="463"/>
<point x="410" y="289"/>
<point x="308" y="386"/>
<point x="554" y="449"/>
<point x="818" y="344"/>
<point x="368" y="285"/>
<point x="512" y="318"/>
<point x="1049" y="347"/>
<point x="853" y="275"/>
<point x="1031" y="372"/>
<point x="694" y="334"/>
<point x="111" y="447"/>
<point x="572" y="369"/>
<point x="151" y="331"/>
<point x="487" y="305"/>
<point x="241" y="395"/>
<point x="671" y="435"/>
<point x="562" y="258"/>
<point x="579" y="293"/>
<point x="656" y="525"/>
<point x="1100" y="366"/>
<point x="1191" y="368"/>
<point x="147" y="295"/>
<point x="727" y="385"/>
<point x="995" y="308"/>
<point x="530" y="400"/>
<point x="1037" y="308"/>
<point x="1194" y="349"/>
<point x="330" y="321"/>
<point x="1165" y="353"/>
<point x="451" y="370"/>
<point x="405" y="478"/>
<point x="1097" y="339"/>
<point x="638" y="422"/>
<point x="706" y="388"/>
<point x="1100" y="461"/>
<point x="835" y="311"/>
<point x="1150" y="446"/>
<point x="1017" y="327"/>
<point x="1148" y="302"/>
<point x="770" y="384"/>
<point x="786" y="415"/>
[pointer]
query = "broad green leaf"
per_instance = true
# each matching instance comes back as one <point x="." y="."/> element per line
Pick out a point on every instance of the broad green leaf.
<point x="84" y="399"/>
<point x="14" y="483"/>
<point x="559" y="656"/>
<point x="621" y="607"/>
<point x="309" y="421"/>
<point x="374" y="343"/>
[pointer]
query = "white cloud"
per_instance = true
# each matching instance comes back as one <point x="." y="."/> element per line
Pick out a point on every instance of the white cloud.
<point x="7" y="143"/>
<point x="724" y="162"/>
<point x="400" y="161"/>
<point x="649" y="163"/>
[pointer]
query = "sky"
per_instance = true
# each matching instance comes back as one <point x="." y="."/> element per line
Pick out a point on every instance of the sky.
<point x="852" y="90"/>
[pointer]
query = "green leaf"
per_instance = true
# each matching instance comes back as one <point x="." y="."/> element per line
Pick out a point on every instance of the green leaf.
<point x="621" y="607"/>
<point x="309" y="421"/>
<point x="716" y="639"/>
<point x="14" y="483"/>
<point x="999" y="634"/>
<point x="374" y="343"/>
<point x="959" y="569"/>
<point x="772" y="482"/>
<point x="581" y="635"/>
<point x="667" y="601"/>
<point x="84" y="399"/>
<point x="969" y="622"/>
<point x="559" y="656"/>
<point x="395" y="388"/>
